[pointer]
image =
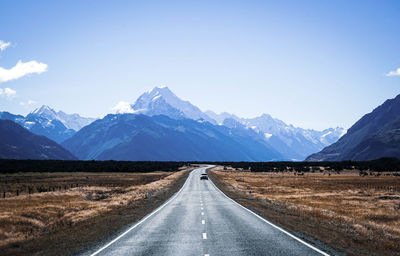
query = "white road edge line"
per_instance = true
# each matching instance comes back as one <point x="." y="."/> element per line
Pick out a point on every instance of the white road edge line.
<point x="145" y="218"/>
<point x="273" y="225"/>
<point x="204" y="236"/>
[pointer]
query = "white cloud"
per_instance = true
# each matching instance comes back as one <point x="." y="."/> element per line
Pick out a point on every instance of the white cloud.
<point x="4" y="45"/>
<point x="22" y="69"/>
<point x="8" y="92"/>
<point x="394" y="73"/>
<point x="123" y="107"/>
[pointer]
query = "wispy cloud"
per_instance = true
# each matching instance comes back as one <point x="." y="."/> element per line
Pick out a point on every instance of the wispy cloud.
<point x="394" y="73"/>
<point x="122" y="107"/>
<point x="22" y="69"/>
<point x="4" y="45"/>
<point x="29" y="102"/>
<point x="8" y="93"/>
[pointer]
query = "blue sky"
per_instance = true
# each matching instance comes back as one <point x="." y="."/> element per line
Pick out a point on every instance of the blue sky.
<point x="314" y="64"/>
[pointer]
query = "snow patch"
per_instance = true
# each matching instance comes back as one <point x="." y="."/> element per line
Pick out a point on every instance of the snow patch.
<point x="123" y="107"/>
<point x="267" y="135"/>
<point x="326" y="134"/>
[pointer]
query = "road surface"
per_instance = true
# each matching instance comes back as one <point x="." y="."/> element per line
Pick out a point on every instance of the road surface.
<point x="201" y="220"/>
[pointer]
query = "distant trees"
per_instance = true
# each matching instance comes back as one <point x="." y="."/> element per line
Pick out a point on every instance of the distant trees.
<point x="14" y="166"/>
<point x="379" y="165"/>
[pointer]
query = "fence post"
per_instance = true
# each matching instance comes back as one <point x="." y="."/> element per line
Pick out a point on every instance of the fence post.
<point x="249" y="195"/>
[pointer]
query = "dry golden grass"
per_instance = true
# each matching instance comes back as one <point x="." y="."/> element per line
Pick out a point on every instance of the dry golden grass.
<point x="365" y="210"/>
<point x="29" y="216"/>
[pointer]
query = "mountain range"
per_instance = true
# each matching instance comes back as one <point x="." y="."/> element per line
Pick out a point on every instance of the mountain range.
<point x="161" y="126"/>
<point x="375" y="135"/>
<point x="141" y="137"/>
<point x="57" y="126"/>
<point x="293" y="143"/>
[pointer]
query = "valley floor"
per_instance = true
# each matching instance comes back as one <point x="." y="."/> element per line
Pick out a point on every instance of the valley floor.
<point x="62" y="213"/>
<point x="353" y="214"/>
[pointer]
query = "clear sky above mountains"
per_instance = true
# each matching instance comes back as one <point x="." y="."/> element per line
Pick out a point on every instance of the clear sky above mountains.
<point x="315" y="64"/>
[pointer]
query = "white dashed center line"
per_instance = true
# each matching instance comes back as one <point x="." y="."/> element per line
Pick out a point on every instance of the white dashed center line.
<point x="204" y="235"/>
<point x="206" y="254"/>
<point x="203" y="222"/>
<point x="202" y="208"/>
<point x="202" y="213"/>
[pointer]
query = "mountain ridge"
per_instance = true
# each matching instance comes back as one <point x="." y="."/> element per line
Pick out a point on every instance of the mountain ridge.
<point x="379" y="127"/>
<point x="57" y="126"/>
<point x="17" y="142"/>
<point x="159" y="137"/>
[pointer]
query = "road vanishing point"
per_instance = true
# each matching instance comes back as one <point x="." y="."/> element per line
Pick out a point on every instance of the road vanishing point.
<point x="201" y="220"/>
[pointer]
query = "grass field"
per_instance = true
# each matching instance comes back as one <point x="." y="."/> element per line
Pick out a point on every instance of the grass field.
<point x="358" y="215"/>
<point x="63" y="208"/>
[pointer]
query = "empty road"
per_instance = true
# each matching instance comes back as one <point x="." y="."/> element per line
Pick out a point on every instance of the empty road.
<point x="201" y="220"/>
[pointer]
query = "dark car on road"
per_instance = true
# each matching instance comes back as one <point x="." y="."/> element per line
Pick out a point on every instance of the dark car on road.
<point x="204" y="176"/>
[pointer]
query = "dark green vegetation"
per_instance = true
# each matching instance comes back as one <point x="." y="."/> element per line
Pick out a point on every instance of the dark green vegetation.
<point x="379" y="165"/>
<point x="14" y="166"/>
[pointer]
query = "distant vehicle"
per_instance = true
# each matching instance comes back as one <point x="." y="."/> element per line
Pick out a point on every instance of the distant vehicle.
<point x="204" y="176"/>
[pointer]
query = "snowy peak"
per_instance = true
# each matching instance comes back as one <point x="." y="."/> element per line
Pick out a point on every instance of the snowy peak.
<point x="331" y="135"/>
<point x="156" y="94"/>
<point x="162" y="101"/>
<point x="45" y="111"/>
<point x="74" y="121"/>
<point x="70" y="121"/>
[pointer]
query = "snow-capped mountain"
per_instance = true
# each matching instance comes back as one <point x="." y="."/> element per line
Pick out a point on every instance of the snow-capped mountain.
<point x="159" y="119"/>
<point x="267" y="124"/>
<point x="71" y="121"/>
<point x="161" y="101"/>
<point x="45" y="121"/>
<point x="294" y="142"/>
<point x="137" y="137"/>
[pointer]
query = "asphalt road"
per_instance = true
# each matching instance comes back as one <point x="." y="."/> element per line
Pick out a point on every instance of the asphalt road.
<point x="201" y="220"/>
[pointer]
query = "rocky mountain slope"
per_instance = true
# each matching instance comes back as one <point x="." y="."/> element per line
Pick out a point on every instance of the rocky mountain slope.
<point x="18" y="143"/>
<point x="375" y="135"/>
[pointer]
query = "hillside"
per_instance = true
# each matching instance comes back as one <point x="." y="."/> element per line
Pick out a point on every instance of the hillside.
<point x="375" y="135"/>
<point x="18" y="143"/>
